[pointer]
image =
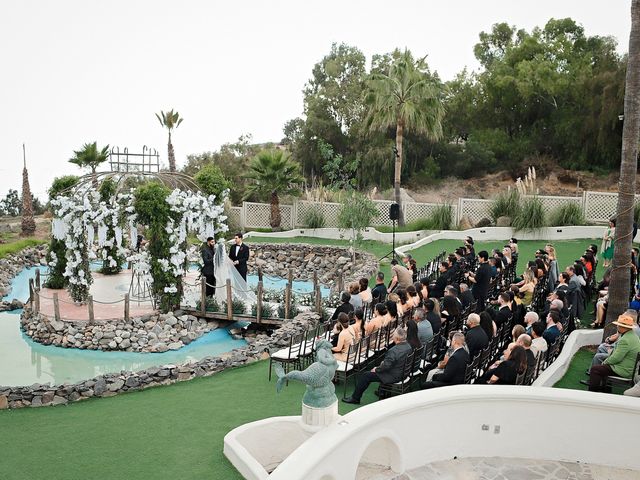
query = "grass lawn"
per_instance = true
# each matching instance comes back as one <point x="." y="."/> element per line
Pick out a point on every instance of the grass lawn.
<point x="14" y="246"/>
<point x="171" y="432"/>
<point x="567" y="251"/>
<point x="577" y="371"/>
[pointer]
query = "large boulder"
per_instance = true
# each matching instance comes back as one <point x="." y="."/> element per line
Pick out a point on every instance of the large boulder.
<point x="503" y="222"/>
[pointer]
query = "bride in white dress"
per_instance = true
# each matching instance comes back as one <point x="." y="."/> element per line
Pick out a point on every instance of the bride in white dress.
<point x="225" y="269"/>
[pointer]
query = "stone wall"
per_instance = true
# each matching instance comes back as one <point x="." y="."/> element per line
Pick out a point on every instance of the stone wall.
<point x="150" y="333"/>
<point x="114" y="383"/>
<point x="330" y="263"/>
<point x="13" y="263"/>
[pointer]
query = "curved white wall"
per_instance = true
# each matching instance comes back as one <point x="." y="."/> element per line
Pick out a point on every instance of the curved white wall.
<point x="461" y="421"/>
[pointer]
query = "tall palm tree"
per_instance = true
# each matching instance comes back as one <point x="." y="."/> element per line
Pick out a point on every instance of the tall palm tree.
<point x="90" y="157"/>
<point x="273" y="173"/>
<point x="407" y="98"/>
<point x="28" y="224"/>
<point x="620" y="273"/>
<point x="170" y="120"/>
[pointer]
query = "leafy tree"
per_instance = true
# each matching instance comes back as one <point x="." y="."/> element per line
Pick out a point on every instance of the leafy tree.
<point x="11" y="205"/>
<point x="170" y="120"/>
<point x="620" y="271"/>
<point x="62" y="185"/>
<point x="90" y="157"/>
<point x="356" y="213"/>
<point x="273" y="173"/>
<point x="406" y="97"/>
<point x="339" y="172"/>
<point x="211" y="180"/>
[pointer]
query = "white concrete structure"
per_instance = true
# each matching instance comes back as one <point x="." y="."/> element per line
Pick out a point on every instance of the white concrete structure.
<point x="415" y="429"/>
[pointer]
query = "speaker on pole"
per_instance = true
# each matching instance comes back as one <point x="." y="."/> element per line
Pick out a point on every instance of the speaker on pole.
<point x="394" y="211"/>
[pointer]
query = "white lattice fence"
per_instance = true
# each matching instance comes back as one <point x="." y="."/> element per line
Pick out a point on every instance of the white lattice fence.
<point x="417" y="211"/>
<point x="550" y="203"/>
<point x="474" y="209"/>
<point x="383" y="213"/>
<point x="258" y="215"/>
<point x="599" y="207"/>
<point x="235" y="216"/>
<point x="329" y="211"/>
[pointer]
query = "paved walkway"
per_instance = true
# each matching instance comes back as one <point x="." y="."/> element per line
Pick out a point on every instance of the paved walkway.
<point x="496" y="468"/>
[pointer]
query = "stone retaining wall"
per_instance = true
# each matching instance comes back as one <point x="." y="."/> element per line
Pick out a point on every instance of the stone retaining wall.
<point x="14" y="263"/>
<point x="112" y="384"/>
<point x="330" y="263"/>
<point x="149" y="333"/>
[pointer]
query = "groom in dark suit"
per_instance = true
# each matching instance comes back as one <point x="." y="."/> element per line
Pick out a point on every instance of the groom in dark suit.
<point x="208" y="269"/>
<point x="239" y="255"/>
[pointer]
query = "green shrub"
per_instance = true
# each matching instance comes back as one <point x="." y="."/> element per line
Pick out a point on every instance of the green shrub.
<point x="567" y="214"/>
<point x="211" y="180"/>
<point x="314" y="218"/>
<point x="211" y="305"/>
<point x="531" y="215"/>
<point x="293" y="310"/>
<point x="267" y="310"/>
<point x="238" y="307"/>
<point x="440" y="219"/>
<point x="506" y="204"/>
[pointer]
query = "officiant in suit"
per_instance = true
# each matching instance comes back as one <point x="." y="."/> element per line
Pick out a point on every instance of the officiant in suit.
<point x="239" y="255"/>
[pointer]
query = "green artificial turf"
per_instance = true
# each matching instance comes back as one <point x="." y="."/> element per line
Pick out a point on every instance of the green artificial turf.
<point x="170" y="432"/>
<point x="17" y="245"/>
<point x="579" y="365"/>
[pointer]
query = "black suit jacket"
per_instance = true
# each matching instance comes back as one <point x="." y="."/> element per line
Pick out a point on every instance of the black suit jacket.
<point x="503" y="316"/>
<point x="454" y="370"/>
<point x="390" y="370"/>
<point x="242" y="258"/>
<point x="480" y="288"/>
<point x="477" y="340"/>
<point x="207" y="258"/>
<point x="466" y="298"/>
<point x="437" y="290"/>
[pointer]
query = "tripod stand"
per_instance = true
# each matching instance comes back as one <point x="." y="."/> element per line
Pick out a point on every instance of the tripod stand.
<point x="392" y="253"/>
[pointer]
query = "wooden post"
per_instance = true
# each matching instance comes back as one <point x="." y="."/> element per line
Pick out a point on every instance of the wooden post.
<point x="290" y="277"/>
<point x="318" y="300"/>
<point x="56" y="307"/>
<point x="36" y="306"/>
<point x="90" y="307"/>
<point x="315" y="280"/>
<point x="229" y="301"/>
<point x="287" y="301"/>
<point x="340" y="284"/>
<point x="126" y="306"/>
<point x="203" y="295"/>
<point x="31" y="292"/>
<point x="259" y="274"/>
<point x="38" y="278"/>
<point x="259" y="302"/>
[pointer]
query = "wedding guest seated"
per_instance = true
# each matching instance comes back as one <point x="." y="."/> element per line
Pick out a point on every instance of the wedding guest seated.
<point x="504" y="313"/>
<point x="456" y="364"/>
<point x="432" y="316"/>
<point x="552" y="331"/>
<point x="344" y="307"/>
<point x="365" y="291"/>
<point x="389" y="371"/>
<point x="488" y="325"/>
<point x="437" y="289"/>
<point x="451" y="308"/>
<point x="605" y="348"/>
<point x="622" y="360"/>
<point x="524" y="341"/>
<point x="414" y="299"/>
<point x="412" y="335"/>
<point x="514" y="363"/>
<point x="516" y="331"/>
<point x="356" y="299"/>
<point x="466" y="297"/>
<point x="424" y="288"/>
<point x="425" y="330"/>
<point x="379" y="291"/>
<point x="392" y="310"/>
<point x="476" y="338"/>
<point x="377" y="320"/>
<point x="529" y="319"/>
<point x="346" y="337"/>
<point x="538" y="344"/>
<point x="359" y="324"/>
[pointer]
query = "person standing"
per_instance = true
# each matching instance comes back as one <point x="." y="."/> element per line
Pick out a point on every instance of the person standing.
<point x="208" y="270"/>
<point x="239" y="255"/>
<point x="480" y="280"/>
<point x="608" y="242"/>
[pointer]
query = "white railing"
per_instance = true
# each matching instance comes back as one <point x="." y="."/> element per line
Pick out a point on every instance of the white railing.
<point x="598" y="208"/>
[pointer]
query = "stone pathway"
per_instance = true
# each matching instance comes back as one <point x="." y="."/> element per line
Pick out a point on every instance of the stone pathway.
<point x="496" y="468"/>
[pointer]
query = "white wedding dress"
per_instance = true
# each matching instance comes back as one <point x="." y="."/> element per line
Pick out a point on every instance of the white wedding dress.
<point x="225" y="269"/>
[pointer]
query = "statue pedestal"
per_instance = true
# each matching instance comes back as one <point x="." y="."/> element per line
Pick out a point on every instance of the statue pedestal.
<point x="314" y="419"/>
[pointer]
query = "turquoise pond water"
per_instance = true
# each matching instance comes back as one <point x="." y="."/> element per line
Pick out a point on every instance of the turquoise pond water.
<point x="24" y="362"/>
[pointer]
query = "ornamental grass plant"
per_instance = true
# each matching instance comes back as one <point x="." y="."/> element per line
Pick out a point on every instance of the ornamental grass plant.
<point x="530" y="216"/>
<point x="506" y="204"/>
<point x="566" y="215"/>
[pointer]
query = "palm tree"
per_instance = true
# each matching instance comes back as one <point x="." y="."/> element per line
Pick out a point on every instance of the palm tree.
<point x="90" y="157"/>
<point x="620" y="273"/>
<point x="273" y="173"/>
<point x="407" y="98"/>
<point x="170" y="120"/>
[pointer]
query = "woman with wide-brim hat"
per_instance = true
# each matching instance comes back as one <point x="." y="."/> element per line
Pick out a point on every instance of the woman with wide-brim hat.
<point x="622" y="360"/>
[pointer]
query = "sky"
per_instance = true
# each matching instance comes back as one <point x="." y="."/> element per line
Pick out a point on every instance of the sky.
<point x="74" y="72"/>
